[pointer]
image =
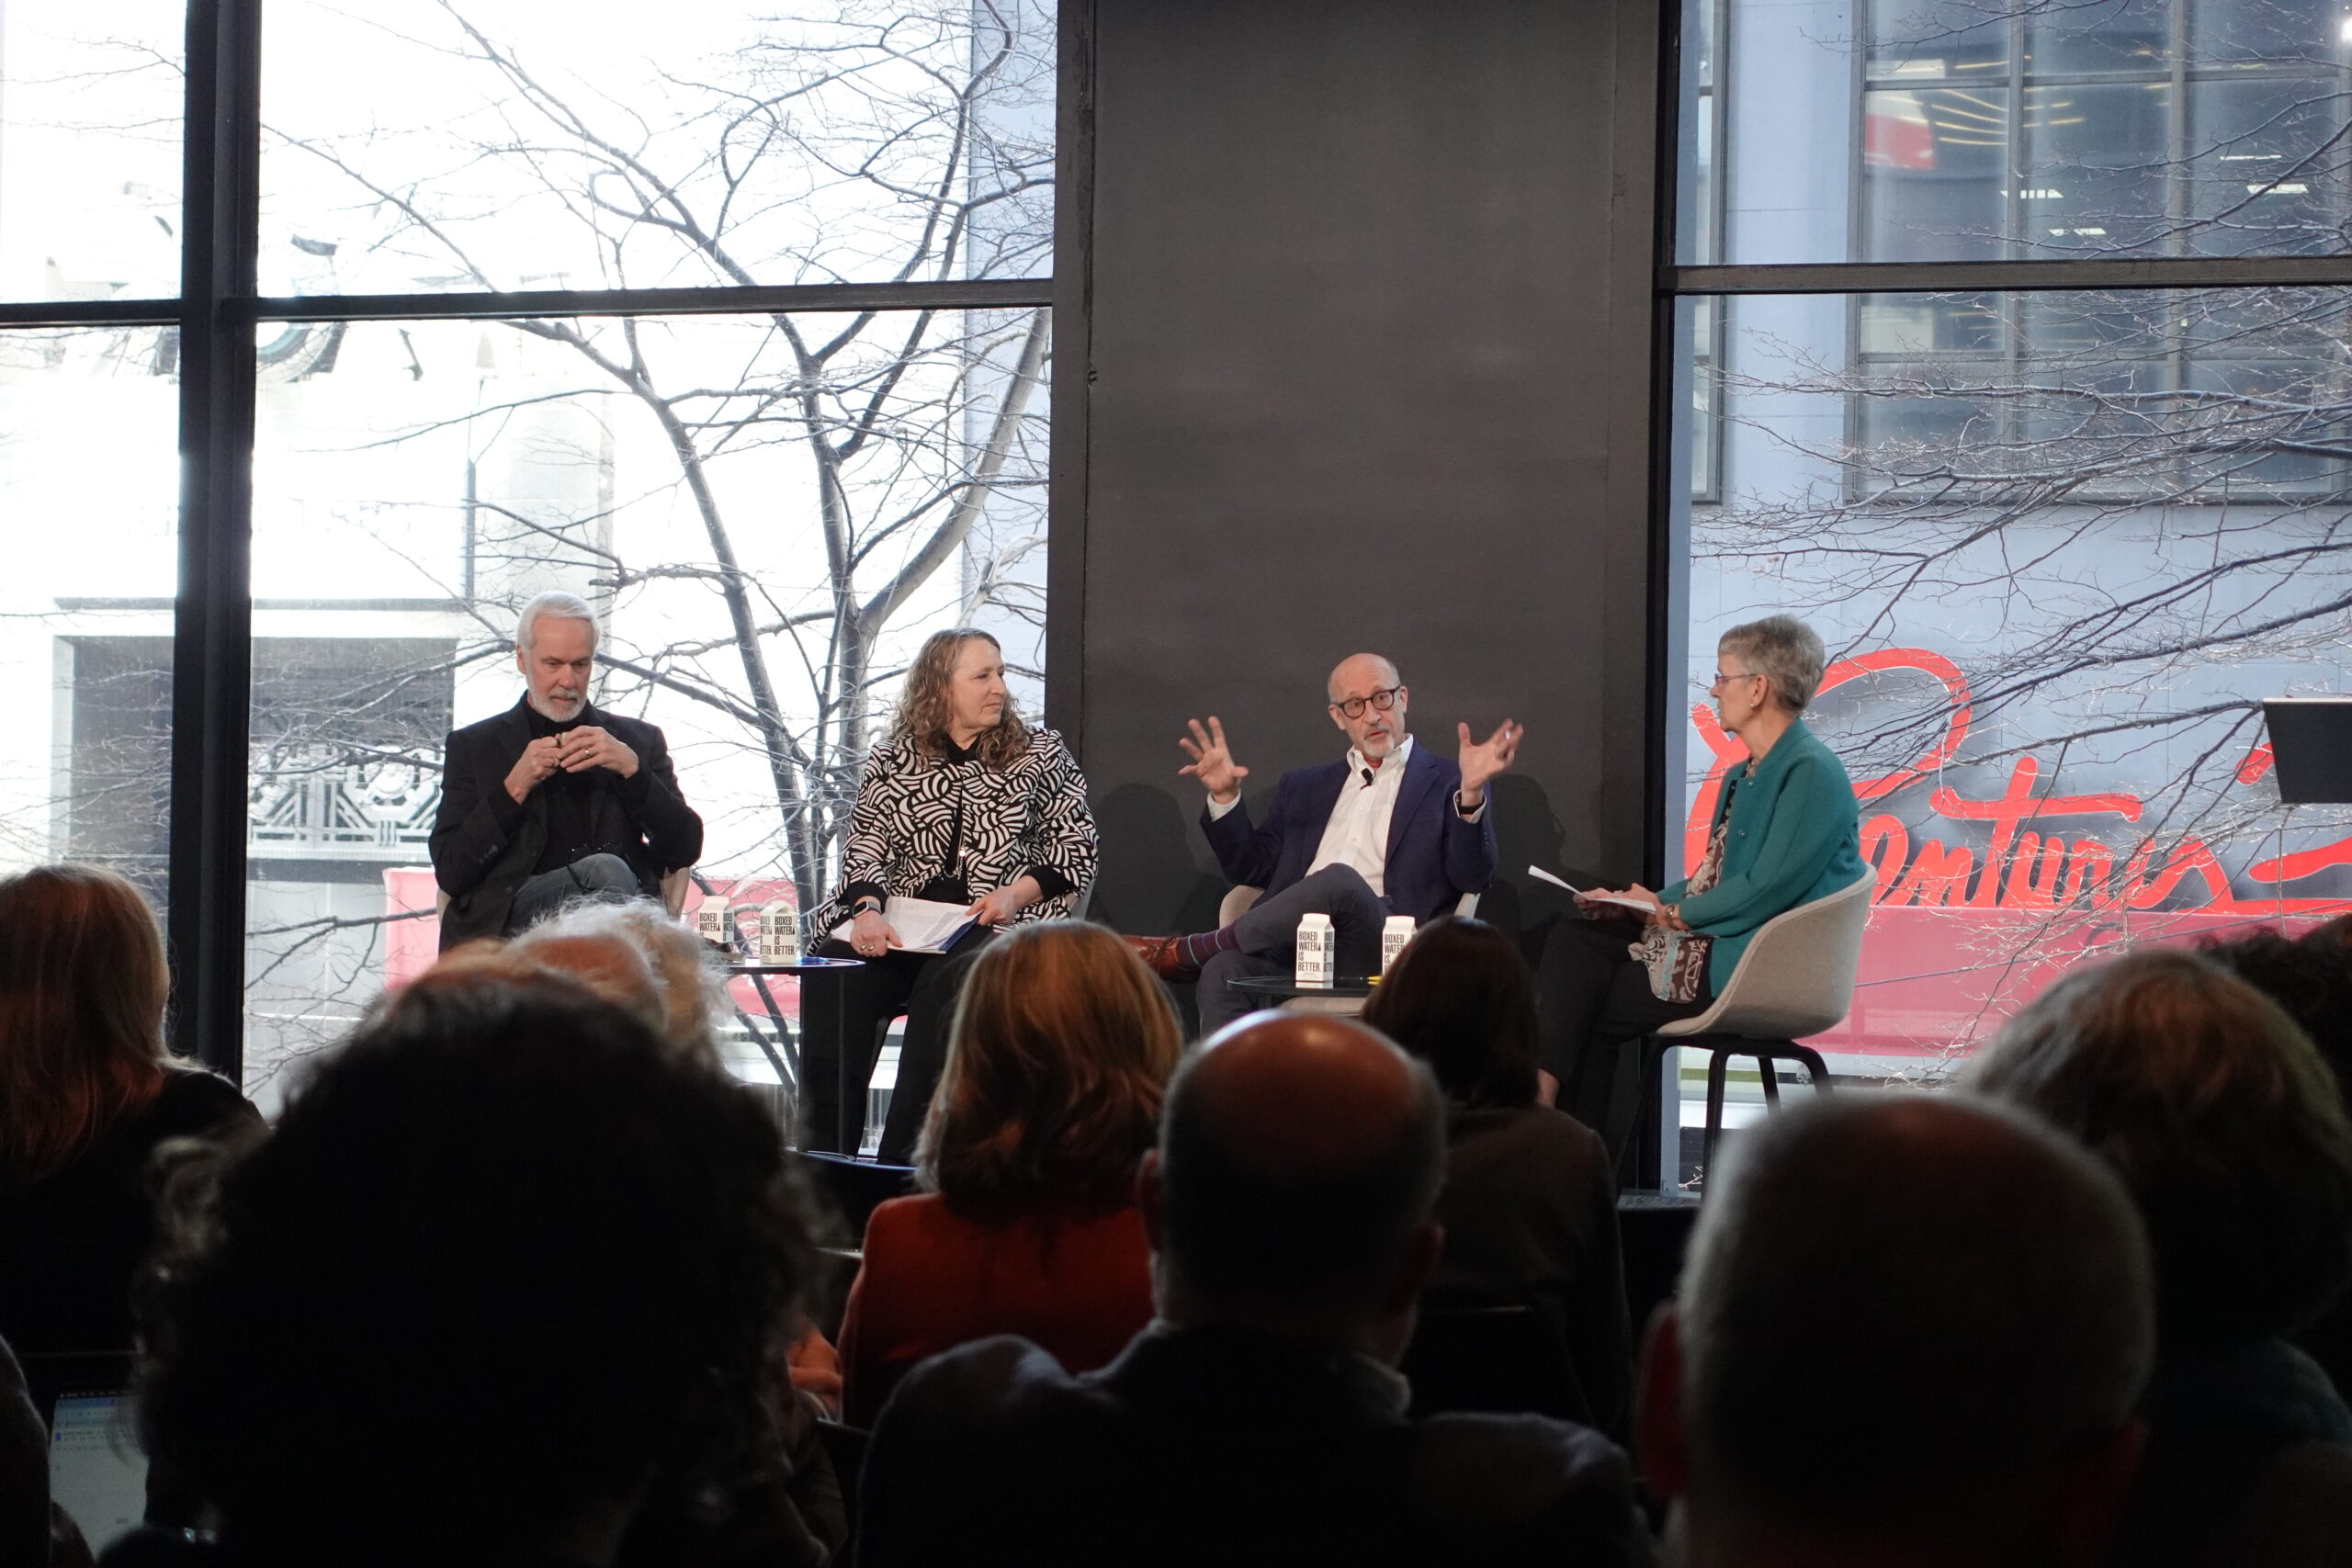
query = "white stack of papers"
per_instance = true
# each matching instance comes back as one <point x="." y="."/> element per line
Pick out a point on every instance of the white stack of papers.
<point x="1588" y="895"/>
<point x="922" y="925"/>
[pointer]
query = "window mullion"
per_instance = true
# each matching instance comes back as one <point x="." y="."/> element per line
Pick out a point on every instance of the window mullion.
<point x="212" y="656"/>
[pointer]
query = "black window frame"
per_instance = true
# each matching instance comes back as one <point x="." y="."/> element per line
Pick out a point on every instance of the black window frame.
<point x="1706" y="283"/>
<point x="216" y="313"/>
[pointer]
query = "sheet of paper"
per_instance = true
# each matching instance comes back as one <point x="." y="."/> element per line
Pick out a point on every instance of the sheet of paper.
<point x="1592" y="898"/>
<point x="923" y="926"/>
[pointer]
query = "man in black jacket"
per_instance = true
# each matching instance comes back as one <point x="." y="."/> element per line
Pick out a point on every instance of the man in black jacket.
<point x="1259" y="1419"/>
<point x="553" y="800"/>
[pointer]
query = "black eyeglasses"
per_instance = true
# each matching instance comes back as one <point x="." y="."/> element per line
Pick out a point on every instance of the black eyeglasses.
<point x="1353" y="707"/>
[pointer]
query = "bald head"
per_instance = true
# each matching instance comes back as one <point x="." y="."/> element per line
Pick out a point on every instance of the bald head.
<point x="1361" y="672"/>
<point x="1971" y="1292"/>
<point x="1300" y="1156"/>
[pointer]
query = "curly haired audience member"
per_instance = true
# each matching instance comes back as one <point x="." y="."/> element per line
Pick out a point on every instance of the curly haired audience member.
<point x="2227" y="1129"/>
<point x="87" y="1091"/>
<point x="632" y="954"/>
<point x="1057" y="1060"/>
<point x="507" y="1282"/>
<point x="1529" y="1206"/>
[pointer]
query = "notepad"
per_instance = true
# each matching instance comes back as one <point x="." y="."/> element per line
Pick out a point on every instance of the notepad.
<point x="922" y="925"/>
<point x="1588" y="895"/>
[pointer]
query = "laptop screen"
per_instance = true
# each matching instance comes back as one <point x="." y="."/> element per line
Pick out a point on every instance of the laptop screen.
<point x="95" y="1471"/>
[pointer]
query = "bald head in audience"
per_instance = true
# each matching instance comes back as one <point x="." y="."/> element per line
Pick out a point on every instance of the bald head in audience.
<point x="1298" y="1163"/>
<point x="1911" y="1331"/>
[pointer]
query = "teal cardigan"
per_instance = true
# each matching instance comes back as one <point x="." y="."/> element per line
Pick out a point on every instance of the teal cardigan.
<point x="1793" y="838"/>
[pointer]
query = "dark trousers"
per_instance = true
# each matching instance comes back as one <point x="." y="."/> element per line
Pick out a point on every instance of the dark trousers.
<point x="1268" y="931"/>
<point x="1592" y="997"/>
<point x="860" y="1005"/>
<point x="590" y="879"/>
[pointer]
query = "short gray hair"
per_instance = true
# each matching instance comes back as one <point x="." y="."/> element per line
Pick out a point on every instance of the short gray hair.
<point x="564" y="607"/>
<point x="1784" y="649"/>
<point x="685" y="984"/>
<point x="1900" y="1311"/>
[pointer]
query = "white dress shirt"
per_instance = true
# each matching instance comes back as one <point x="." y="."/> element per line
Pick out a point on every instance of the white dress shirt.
<point x="1357" y="834"/>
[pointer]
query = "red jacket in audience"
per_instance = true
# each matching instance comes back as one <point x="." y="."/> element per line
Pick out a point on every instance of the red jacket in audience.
<point x="1076" y="1281"/>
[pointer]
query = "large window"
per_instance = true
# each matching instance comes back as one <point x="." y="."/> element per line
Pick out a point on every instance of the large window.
<point x="2062" y="527"/>
<point x="736" y="326"/>
<point x="88" y="490"/>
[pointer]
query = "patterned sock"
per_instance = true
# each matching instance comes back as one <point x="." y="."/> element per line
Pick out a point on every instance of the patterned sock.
<point x="1199" y="949"/>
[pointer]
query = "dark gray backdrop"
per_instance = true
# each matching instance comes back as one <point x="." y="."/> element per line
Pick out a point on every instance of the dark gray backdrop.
<point x="1354" y="351"/>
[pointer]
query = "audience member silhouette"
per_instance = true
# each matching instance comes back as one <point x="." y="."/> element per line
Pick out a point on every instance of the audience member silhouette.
<point x="1260" y="1420"/>
<point x="1057" y="1057"/>
<point x="2227" y="1129"/>
<point x="1910" y="1332"/>
<point x="506" y="1285"/>
<point x="2310" y="979"/>
<point x="633" y="954"/>
<point x="1528" y="1205"/>
<point x="87" y="1092"/>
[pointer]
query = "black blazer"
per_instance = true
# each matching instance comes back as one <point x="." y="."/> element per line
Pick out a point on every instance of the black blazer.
<point x="1220" y="1446"/>
<point x="484" y="845"/>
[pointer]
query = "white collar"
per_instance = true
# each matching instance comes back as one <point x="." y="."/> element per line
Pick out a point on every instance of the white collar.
<point x="1399" y="755"/>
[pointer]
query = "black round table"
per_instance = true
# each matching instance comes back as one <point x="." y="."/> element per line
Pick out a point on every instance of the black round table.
<point x="836" y="969"/>
<point x="1275" y="988"/>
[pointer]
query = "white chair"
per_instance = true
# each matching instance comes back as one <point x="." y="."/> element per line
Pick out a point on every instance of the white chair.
<point x="1235" y="903"/>
<point x="1795" y="978"/>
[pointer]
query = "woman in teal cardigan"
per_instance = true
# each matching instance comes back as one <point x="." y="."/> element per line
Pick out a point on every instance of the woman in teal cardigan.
<point x="1783" y="834"/>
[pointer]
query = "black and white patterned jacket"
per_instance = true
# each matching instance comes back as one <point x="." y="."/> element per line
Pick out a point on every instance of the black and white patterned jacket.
<point x="1030" y="816"/>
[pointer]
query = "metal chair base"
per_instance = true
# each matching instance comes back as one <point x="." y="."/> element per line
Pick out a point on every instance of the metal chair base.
<point x="1721" y="1049"/>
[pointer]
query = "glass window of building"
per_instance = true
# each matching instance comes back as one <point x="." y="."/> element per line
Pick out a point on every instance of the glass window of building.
<point x="2060" y="544"/>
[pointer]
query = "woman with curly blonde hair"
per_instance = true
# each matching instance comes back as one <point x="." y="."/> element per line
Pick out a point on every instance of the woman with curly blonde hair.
<point x="1062" y="1050"/>
<point x="963" y="803"/>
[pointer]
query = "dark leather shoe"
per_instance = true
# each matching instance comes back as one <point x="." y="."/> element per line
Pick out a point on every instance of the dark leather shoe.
<point x="1164" y="956"/>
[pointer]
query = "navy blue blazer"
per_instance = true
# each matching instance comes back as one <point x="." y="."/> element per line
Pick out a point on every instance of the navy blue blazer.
<point x="1434" y="857"/>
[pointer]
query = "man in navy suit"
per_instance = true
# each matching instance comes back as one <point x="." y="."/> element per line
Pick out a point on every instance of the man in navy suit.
<point x="1390" y="828"/>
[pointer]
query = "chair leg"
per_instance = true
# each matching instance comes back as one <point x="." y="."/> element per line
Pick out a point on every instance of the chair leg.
<point x="1718" y="1060"/>
<point x="1813" y="1064"/>
<point x="1766" y="1063"/>
<point x="1621" y="1130"/>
